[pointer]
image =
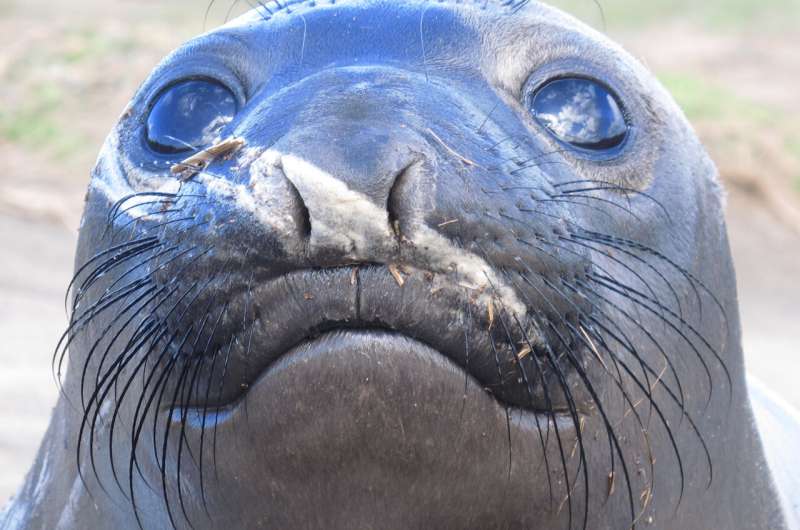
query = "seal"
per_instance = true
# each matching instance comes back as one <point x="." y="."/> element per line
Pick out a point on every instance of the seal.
<point x="368" y="264"/>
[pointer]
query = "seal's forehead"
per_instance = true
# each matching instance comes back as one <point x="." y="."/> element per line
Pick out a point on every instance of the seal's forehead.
<point x="518" y="11"/>
<point x="509" y="38"/>
<point x="266" y="11"/>
<point x="500" y="22"/>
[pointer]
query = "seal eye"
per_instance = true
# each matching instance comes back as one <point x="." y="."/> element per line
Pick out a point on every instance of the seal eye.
<point x="580" y="112"/>
<point x="189" y="115"/>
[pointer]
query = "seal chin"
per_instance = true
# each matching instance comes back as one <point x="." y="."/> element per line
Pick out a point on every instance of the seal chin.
<point x="377" y="415"/>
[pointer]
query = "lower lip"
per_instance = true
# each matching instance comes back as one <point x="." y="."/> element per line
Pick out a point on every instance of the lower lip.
<point x="349" y="368"/>
<point x="367" y="362"/>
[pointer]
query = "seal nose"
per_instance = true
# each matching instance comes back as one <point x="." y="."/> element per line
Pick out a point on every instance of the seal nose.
<point x="345" y="221"/>
<point x="350" y="212"/>
<point x="346" y="177"/>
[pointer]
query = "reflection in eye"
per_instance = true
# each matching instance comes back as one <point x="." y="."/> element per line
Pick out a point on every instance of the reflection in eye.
<point x="580" y="112"/>
<point x="189" y="116"/>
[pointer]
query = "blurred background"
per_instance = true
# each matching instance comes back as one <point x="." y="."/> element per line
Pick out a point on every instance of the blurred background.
<point x="68" y="67"/>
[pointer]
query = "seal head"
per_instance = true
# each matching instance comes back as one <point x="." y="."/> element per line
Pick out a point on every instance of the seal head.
<point x="403" y="264"/>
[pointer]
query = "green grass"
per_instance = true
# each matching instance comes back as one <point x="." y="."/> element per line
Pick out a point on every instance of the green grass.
<point x="705" y="102"/>
<point x="702" y="100"/>
<point x="793" y="147"/>
<point x="32" y="124"/>
<point x="35" y="124"/>
<point x="720" y="14"/>
<point x="793" y="144"/>
<point x="38" y="115"/>
<point x="88" y="44"/>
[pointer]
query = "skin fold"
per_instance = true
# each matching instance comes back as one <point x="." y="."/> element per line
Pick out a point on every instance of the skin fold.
<point x="399" y="300"/>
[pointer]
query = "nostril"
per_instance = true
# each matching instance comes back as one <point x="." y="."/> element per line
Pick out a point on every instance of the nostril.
<point x="394" y="200"/>
<point x="303" y="215"/>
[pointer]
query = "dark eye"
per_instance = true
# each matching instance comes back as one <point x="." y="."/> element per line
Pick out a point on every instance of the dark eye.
<point x="580" y="112"/>
<point x="189" y="115"/>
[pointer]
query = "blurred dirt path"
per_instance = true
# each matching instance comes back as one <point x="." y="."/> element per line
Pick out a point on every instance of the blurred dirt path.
<point x="36" y="260"/>
<point x="767" y="257"/>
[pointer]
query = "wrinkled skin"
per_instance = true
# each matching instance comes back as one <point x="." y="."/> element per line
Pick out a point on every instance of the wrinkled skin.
<point x="325" y="324"/>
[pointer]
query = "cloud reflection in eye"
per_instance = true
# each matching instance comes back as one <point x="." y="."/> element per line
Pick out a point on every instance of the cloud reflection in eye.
<point x="190" y="115"/>
<point x="580" y="112"/>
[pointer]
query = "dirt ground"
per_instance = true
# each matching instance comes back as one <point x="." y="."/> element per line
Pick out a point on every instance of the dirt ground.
<point x="68" y="67"/>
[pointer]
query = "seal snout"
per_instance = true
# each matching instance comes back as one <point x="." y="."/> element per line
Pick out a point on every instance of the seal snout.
<point x="384" y="204"/>
<point x="345" y="223"/>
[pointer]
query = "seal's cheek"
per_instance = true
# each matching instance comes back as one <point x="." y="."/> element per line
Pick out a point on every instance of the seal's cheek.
<point x="377" y="420"/>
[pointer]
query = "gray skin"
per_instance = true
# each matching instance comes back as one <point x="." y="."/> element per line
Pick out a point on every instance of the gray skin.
<point x="346" y="288"/>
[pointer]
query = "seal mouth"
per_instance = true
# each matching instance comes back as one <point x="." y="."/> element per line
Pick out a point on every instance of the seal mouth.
<point x="238" y="337"/>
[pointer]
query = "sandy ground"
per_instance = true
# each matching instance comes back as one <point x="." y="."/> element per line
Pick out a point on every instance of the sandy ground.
<point x="41" y="189"/>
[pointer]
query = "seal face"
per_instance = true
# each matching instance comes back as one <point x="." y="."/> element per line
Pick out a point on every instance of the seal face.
<point x="404" y="264"/>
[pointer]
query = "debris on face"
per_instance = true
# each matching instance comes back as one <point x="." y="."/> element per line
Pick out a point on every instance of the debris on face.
<point x="308" y="296"/>
<point x="645" y="497"/>
<point x="196" y="163"/>
<point x="354" y="276"/>
<point x="524" y="352"/>
<point x="247" y="157"/>
<point x="611" y="484"/>
<point x="593" y="348"/>
<point x="464" y="160"/>
<point x="447" y="223"/>
<point x="398" y="277"/>
<point x="127" y="112"/>
<point x="490" y="310"/>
